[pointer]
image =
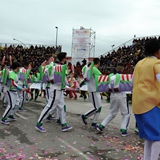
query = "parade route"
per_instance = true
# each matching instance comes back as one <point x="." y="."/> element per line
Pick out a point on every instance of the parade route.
<point x="21" y="141"/>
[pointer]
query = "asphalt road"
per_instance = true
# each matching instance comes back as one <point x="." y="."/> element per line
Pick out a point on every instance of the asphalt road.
<point x="21" y="141"/>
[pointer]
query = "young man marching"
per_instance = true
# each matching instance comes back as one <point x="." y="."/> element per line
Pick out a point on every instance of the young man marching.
<point x="56" y="99"/>
<point x="13" y="99"/>
<point x="94" y="97"/>
<point x="22" y="81"/>
<point x="118" y="102"/>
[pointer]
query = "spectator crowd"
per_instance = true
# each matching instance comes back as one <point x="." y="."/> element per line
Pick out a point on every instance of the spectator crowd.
<point x="128" y="55"/>
<point x="35" y="55"/>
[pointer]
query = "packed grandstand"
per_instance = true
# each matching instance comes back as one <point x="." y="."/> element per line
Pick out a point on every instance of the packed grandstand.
<point x="129" y="55"/>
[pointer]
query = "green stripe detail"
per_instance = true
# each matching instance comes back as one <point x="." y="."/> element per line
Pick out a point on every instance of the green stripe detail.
<point x="117" y="79"/>
<point x="4" y="76"/>
<point x="39" y="124"/>
<point x="123" y="130"/>
<point x="65" y="108"/>
<point x="99" y="109"/>
<point x="64" y="124"/>
<point x="27" y="75"/>
<point x="50" y="69"/>
<point x="101" y="126"/>
<point x="90" y="71"/>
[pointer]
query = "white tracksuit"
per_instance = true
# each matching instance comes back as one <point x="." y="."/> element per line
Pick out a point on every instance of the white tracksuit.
<point x="118" y="101"/>
<point x="13" y="99"/>
<point x="56" y="100"/>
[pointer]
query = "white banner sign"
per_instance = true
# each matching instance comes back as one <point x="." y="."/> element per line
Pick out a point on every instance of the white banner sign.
<point x="81" y="43"/>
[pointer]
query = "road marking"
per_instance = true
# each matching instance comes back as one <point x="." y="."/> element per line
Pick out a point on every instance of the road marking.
<point x="74" y="149"/>
<point x="21" y="116"/>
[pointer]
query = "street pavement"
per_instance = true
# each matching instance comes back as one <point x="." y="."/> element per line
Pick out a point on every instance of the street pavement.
<point x="21" y="141"/>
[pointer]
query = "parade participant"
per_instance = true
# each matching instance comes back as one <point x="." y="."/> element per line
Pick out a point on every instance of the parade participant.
<point x="50" y="62"/>
<point x="4" y="88"/>
<point x="146" y="101"/>
<point x="5" y="73"/>
<point x="35" y="80"/>
<point x="83" y="84"/>
<point x="23" y="82"/>
<point x="118" y="101"/>
<point x="46" y="69"/>
<point x="13" y="99"/>
<point x="0" y="82"/>
<point x="56" y="99"/>
<point x="94" y="97"/>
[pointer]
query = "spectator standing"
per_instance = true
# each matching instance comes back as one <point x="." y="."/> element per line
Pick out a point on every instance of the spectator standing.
<point x="146" y="101"/>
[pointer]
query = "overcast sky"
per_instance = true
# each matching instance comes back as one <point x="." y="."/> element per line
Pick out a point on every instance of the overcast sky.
<point x="114" y="21"/>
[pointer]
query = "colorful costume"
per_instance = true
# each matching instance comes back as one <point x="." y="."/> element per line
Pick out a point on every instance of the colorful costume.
<point x="93" y="95"/>
<point x="56" y="100"/>
<point x="118" y="101"/>
<point x="145" y="99"/>
<point x="23" y="82"/>
<point x="13" y="98"/>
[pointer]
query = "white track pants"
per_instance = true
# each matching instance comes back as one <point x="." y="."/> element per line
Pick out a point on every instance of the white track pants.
<point x="96" y="101"/>
<point x="22" y="96"/>
<point x="56" y="100"/>
<point x="118" y="103"/>
<point x="5" y="98"/>
<point x="13" y="104"/>
<point x="55" y="111"/>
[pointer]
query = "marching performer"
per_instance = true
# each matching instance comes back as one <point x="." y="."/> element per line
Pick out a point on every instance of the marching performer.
<point x="118" y="101"/>
<point x="83" y="84"/>
<point x="56" y="99"/>
<point x="36" y="85"/>
<point x="4" y="74"/>
<point x="13" y="99"/>
<point x="45" y="71"/>
<point x="94" y="97"/>
<point x="44" y="67"/>
<point x="23" y="82"/>
<point x="1" y="82"/>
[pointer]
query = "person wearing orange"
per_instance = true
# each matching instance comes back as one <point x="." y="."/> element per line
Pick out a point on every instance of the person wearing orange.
<point x="146" y="99"/>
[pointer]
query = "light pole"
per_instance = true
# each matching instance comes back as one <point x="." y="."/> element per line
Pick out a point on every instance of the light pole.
<point x="56" y="34"/>
<point x="19" y="41"/>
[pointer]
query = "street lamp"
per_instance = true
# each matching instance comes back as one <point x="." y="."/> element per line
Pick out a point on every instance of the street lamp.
<point x="56" y="34"/>
<point x="19" y="41"/>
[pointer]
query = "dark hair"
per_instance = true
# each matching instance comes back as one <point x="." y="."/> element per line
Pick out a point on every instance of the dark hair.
<point x="15" y="65"/>
<point x="89" y="64"/>
<point x="96" y="60"/>
<point x="120" y="64"/>
<point x="26" y="63"/>
<point x="71" y="72"/>
<point x="151" y="47"/>
<point x="61" y="56"/>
